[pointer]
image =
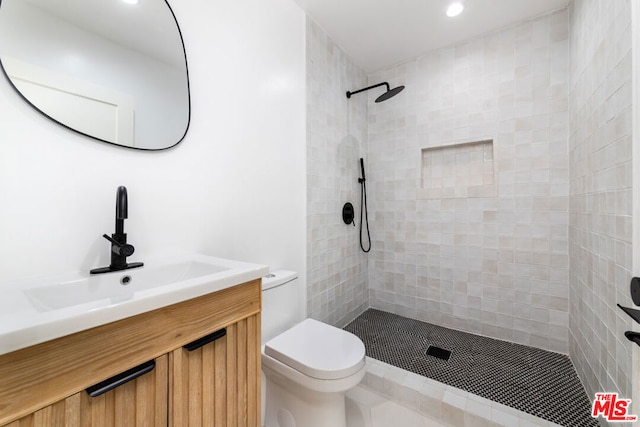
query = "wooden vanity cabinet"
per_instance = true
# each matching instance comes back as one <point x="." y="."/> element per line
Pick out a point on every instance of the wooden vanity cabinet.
<point x="218" y="384"/>
<point x="215" y="384"/>
<point x="140" y="402"/>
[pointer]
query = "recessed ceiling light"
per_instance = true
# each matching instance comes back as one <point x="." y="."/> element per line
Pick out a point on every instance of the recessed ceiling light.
<point x="454" y="9"/>
<point x="131" y="1"/>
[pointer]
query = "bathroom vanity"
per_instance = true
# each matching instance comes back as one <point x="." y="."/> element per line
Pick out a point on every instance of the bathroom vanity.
<point x="190" y="380"/>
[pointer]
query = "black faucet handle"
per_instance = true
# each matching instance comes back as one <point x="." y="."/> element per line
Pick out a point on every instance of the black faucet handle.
<point x="111" y="239"/>
<point x="122" y="249"/>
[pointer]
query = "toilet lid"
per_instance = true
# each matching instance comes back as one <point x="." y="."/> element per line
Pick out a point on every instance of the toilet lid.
<point x="318" y="350"/>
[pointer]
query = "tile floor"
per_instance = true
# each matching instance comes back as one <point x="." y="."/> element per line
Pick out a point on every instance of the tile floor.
<point x="480" y="373"/>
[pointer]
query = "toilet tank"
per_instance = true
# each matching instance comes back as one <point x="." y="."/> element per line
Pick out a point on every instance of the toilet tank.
<point x="280" y="303"/>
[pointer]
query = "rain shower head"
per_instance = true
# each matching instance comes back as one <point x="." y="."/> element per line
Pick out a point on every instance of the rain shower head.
<point x="388" y="94"/>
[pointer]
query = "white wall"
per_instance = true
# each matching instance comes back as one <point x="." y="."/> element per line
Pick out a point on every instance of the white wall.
<point x="235" y="187"/>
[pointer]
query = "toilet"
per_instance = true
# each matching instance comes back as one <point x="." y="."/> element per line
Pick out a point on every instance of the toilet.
<point x="308" y="366"/>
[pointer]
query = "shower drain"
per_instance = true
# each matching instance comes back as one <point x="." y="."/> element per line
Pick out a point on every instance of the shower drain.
<point x="438" y="352"/>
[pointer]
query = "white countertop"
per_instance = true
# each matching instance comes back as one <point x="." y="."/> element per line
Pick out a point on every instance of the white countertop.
<point x="25" y="321"/>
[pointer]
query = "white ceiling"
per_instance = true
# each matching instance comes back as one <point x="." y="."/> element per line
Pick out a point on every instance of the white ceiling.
<point x="377" y="34"/>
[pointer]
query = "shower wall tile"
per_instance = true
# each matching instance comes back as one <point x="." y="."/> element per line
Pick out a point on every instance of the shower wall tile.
<point x="495" y="264"/>
<point x="337" y="289"/>
<point x="600" y="136"/>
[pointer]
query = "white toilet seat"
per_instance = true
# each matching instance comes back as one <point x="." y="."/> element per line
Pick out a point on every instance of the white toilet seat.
<point x="317" y="350"/>
<point x="314" y="384"/>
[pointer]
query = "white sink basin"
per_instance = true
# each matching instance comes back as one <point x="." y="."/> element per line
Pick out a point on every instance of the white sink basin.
<point x="38" y="310"/>
<point x="117" y="286"/>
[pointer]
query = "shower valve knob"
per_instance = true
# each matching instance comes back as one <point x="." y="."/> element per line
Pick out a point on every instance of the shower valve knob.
<point x="348" y="213"/>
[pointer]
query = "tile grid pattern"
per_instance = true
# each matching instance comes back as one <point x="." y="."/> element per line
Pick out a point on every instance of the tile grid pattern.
<point x="337" y="288"/>
<point x="497" y="266"/>
<point x="532" y="380"/>
<point x="600" y="143"/>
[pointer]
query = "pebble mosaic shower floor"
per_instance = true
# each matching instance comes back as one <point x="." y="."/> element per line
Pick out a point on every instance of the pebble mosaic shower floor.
<point x="539" y="382"/>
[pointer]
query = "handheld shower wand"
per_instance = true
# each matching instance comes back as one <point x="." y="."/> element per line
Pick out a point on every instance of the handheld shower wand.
<point x="363" y="207"/>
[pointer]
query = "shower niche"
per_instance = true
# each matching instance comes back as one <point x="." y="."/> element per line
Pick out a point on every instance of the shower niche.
<point x="458" y="171"/>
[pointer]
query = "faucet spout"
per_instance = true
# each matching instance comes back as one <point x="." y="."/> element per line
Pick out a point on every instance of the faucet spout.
<point x="122" y="203"/>
<point x="122" y="212"/>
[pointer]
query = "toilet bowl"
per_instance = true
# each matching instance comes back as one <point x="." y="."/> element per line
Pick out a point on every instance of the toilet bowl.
<point x="308" y="369"/>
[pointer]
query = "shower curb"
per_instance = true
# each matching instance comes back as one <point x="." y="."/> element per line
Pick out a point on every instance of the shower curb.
<point x="446" y="404"/>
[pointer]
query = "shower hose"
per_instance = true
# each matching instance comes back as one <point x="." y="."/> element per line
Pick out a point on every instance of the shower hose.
<point x="363" y="209"/>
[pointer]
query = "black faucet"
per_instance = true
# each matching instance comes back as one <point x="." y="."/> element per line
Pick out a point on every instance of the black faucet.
<point x="120" y="249"/>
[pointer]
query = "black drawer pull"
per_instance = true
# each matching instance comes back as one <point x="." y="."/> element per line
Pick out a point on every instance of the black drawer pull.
<point x="122" y="378"/>
<point x="194" y="345"/>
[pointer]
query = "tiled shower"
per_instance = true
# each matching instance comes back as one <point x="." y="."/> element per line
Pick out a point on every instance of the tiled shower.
<point x="499" y="186"/>
<point x="484" y="246"/>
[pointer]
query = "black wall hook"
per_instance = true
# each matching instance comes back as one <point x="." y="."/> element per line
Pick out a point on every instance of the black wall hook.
<point x="633" y="336"/>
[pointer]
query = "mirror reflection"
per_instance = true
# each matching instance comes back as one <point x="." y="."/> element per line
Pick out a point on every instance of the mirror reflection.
<point x="114" y="70"/>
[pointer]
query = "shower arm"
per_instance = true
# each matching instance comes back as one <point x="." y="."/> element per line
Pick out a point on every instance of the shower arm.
<point x="349" y="93"/>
